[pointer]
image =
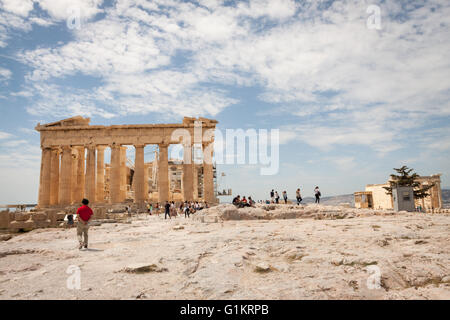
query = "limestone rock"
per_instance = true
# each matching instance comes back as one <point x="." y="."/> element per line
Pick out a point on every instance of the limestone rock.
<point x="143" y="268"/>
<point x="22" y="216"/>
<point x="262" y="267"/>
<point x="38" y="216"/>
<point x="5" y="237"/>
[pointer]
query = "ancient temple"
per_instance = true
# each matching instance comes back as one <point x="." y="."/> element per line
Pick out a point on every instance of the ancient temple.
<point x="73" y="165"/>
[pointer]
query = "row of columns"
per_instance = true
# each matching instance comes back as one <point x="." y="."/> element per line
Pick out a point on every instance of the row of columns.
<point x="71" y="177"/>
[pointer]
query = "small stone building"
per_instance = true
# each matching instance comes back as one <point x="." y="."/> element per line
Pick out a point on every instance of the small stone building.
<point x="375" y="195"/>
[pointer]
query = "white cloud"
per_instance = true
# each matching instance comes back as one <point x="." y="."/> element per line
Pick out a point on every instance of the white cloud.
<point x="315" y="60"/>
<point x="63" y="9"/>
<point x="19" y="7"/>
<point x="4" y="135"/>
<point x="5" y="74"/>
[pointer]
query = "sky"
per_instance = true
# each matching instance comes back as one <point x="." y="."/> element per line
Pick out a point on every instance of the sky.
<point x="355" y="88"/>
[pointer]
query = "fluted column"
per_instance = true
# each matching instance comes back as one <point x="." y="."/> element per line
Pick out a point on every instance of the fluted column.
<point x="145" y="181"/>
<point x="100" y="174"/>
<point x="208" y="179"/>
<point x="123" y="173"/>
<point x="188" y="191"/>
<point x="163" y="174"/>
<point x="65" y="182"/>
<point x="54" y="177"/>
<point x="79" y="188"/>
<point x="138" y="178"/>
<point x="114" y="180"/>
<point x="74" y="175"/>
<point x="44" y="195"/>
<point x="195" y="181"/>
<point x="90" y="174"/>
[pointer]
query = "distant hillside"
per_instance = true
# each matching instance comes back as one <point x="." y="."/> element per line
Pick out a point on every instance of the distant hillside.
<point x="332" y="201"/>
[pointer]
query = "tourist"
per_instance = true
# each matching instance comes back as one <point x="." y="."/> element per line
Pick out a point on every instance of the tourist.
<point x="250" y="201"/>
<point x="84" y="214"/>
<point x="317" y="194"/>
<point x="285" y="197"/>
<point x="167" y="210"/>
<point x="272" y="196"/>
<point x="70" y="220"/>
<point x="186" y="210"/>
<point x="149" y="208"/>
<point x="277" y="197"/>
<point x="298" y="196"/>
<point x="237" y="200"/>
<point x="173" y="210"/>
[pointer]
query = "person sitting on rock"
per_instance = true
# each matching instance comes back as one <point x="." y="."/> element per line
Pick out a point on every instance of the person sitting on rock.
<point x="237" y="200"/>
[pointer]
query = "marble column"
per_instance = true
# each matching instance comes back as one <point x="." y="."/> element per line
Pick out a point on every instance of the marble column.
<point x="208" y="179"/>
<point x="163" y="174"/>
<point x="138" y="178"/>
<point x="123" y="173"/>
<point x="100" y="174"/>
<point x="54" y="177"/>
<point x="74" y="175"/>
<point x="81" y="180"/>
<point x="145" y="182"/>
<point x="188" y="181"/>
<point x="114" y="180"/>
<point x="195" y="181"/>
<point x="65" y="182"/>
<point x="44" y="196"/>
<point x="90" y="174"/>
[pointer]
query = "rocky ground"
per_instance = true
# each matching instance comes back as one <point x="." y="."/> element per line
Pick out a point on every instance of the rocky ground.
<point x="270" y="252"/>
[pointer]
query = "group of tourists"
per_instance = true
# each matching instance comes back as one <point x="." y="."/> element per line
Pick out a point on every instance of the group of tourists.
<point x="172" y="209"/>
<point x="275" y="197"/>
<point x="244" y="202"/>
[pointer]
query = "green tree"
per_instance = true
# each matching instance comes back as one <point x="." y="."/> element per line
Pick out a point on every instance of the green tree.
<point x="406" y="177"/>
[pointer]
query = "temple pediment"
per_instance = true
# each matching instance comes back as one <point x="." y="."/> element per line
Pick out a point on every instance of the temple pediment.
<point x="69" y="122"/>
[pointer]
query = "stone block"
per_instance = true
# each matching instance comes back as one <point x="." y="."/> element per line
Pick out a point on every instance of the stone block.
<point x="4" y="219"/>
<point x="22" y="216"/>
<point x="39" y="216"/>
<point x="24" y="225"/>
<point x="43" y="223"/>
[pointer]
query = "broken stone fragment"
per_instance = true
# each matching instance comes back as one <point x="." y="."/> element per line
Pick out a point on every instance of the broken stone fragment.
<point x="143" y="268"/>
<point x="5" y="237"/>
<point x="262" y="267"/>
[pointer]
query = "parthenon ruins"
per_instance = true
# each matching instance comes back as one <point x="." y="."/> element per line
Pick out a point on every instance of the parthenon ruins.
<point x="73" y="165"/>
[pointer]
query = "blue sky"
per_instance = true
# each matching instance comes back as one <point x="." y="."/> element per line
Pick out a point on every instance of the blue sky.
<point x="351" y="102"/>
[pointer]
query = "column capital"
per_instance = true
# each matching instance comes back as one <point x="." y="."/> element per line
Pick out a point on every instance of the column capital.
<point x="114" y="146"/>
<point x="163" y="145"/>
<point x="139" y="146"/>
<point x="91" y="146"/>
<point x="100" y="147"/>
